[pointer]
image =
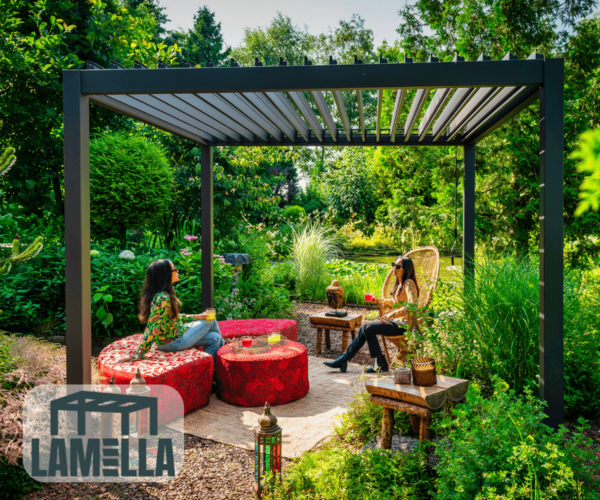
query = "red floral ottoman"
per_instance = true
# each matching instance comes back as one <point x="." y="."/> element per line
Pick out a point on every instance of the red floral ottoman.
<point x="235" y="329"/>
<point x="189" y="371"/>
<point x="278" y="376"/>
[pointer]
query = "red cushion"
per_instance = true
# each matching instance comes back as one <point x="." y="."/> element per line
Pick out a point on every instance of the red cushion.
<point x="234" y="329"/>
<point x="188" y="371"/>
<point x="278" y="376"/>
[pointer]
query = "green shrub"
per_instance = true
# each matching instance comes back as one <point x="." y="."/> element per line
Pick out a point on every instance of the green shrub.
<point x="313" y="206"/>
<point x="130" y="181"/>
<point x="15" y="481"/>
<point x="335" y="473"/>
<point x="499" y="448"/>
<point x="491" y="328"/>
<point x="294" y="213"/>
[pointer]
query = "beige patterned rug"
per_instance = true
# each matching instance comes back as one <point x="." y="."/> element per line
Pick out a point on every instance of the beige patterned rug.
<point x="305" y="422"/>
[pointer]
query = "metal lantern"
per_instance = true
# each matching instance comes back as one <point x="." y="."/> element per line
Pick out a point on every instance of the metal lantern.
<point x="111" y="428"/>
<point x="267" y="448"/>
<point x="139" y="420"/>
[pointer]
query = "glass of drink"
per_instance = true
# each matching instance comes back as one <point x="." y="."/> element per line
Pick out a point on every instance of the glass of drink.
<point x="246" y="342"/>
<point x="211" y="314"/>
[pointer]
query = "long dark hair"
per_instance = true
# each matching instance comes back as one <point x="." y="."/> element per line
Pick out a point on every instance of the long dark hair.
<point x="158" y="279"/>
<point x="409" y="274"/>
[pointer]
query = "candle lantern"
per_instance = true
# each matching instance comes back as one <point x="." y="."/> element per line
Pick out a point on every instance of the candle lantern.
<point x="110" y="422"/>
<point x="267" y="447"/>
<point x="139" y="420"/>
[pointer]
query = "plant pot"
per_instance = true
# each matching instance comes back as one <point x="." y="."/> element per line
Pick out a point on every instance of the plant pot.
<point x="423" y="372"/>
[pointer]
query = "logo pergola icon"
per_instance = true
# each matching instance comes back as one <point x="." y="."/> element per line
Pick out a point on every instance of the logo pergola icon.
<point x="87" y="401"/>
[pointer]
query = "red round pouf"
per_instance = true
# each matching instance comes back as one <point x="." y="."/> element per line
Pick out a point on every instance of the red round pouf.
<point x="278" y="376"/>
<point x="189" y="372"/>
<point x="234" y="329"/>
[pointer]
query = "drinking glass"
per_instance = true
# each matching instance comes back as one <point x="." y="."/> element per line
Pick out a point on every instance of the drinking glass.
<point x="211" y="314"/>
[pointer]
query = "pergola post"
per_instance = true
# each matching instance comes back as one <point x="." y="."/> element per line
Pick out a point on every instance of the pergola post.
<point x="469" y="211"/>
<point x="551" y="240"/>
<point x="77" y="231"/>
<point x="207" y="221"/>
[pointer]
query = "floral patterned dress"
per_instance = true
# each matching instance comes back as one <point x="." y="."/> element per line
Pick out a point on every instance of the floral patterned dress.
<point x="161" y="329"/>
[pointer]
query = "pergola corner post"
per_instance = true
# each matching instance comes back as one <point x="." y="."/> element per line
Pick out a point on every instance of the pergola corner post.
<point x="468" y="255"/>
<point x="77" y="230"/>
<point x="551" y="240"/>
<point x="207" y="222"/>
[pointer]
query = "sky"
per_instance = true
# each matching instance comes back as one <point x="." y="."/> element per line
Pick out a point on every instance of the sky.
<point x="381" y="16"/>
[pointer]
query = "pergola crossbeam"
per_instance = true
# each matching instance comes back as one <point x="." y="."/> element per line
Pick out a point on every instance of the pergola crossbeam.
<point x="481" y="97"/>
<point x="415" y="110"/>
<point x="238" y="102"/>
<point x="325" y="113"/>
<point x="361" y="118"/>
<point x="285" y="107"/>
<point x="339" y="102"/>
<point x="306" y="111"/>
<point x="434" y="109"/>
<point x="398" y="104"/>
<point x="264" y="105"/>
<point x="458" y="101"/>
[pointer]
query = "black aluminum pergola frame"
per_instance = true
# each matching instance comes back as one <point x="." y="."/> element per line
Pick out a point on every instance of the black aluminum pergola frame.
<point x="268" y="106"/>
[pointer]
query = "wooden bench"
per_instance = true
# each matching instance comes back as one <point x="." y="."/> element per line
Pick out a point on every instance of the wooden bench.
<point x="418" y="402"/>
<point x="347" y="324"/>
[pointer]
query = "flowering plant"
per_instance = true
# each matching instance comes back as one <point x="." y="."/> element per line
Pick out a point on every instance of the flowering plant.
<point x="127" y="254"/>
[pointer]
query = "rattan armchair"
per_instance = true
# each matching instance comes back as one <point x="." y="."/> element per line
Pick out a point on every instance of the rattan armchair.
<point x="427" y="268"/>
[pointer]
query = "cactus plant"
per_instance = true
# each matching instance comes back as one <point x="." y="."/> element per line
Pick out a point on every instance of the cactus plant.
<point x="7" y="160"/>
<point x="16" y="256"/>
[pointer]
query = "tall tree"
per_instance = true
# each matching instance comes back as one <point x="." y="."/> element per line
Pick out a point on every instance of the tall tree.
<point x="204" y="42"/>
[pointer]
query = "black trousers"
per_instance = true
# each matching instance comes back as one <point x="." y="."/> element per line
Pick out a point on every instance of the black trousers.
<point x="368" y="333"/>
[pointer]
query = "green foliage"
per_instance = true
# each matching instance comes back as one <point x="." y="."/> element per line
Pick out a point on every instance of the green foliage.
<point x="491" y="328"/>
<point x="15" y="480"/>
<point x="312" y="245"/>
<point x="40" y="39"/>
<point x="7" y="361"/>
<point x="130" y="181"/>
<point x="500" y="448"/>
<point x="589" y="156"/>
<point x="204" y="42"/>
<point x="335" y="473"/>
<point x="294" y="213"/>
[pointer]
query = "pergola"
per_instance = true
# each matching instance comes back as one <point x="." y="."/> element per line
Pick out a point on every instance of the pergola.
<point x="269" y="106"/>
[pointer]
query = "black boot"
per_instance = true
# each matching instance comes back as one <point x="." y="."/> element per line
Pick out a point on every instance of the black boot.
<point x="382" y="365"/>
<point x="341" y="363"/>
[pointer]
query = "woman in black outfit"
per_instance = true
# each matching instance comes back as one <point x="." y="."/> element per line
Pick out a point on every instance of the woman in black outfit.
<point x="406" y="289"/>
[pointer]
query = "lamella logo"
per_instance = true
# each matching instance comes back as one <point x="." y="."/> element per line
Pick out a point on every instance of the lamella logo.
<point x="115" y="434"/>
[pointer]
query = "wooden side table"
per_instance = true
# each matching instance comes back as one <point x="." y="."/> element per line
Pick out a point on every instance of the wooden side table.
<point x="418" y="402"/>
<point x="347" y="324"/>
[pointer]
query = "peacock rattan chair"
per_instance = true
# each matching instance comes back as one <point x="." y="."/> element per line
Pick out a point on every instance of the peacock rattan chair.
<point x="427" y="269"/>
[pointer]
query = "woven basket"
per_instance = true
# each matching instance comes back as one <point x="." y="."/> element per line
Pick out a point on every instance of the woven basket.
<point x="423" y="372"/>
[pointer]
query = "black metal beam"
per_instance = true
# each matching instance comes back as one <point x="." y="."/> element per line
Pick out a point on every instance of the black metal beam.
<point x="166" y="117"/>
<point x="325" y="113"/>
<point x="306" y="111"/>
<point x="196" y="103"/>
<point x="78" y="290"/>
<point x="361" y="118"/>
<point x="469" y="212"/>
<point x="458" y="101"/>
<point x="398" y="104"/>
<point x="510" y="73"/>
<point x="339" y="102"/>
<point x="415" y="109"/>
<point x="433" y="110"/>
<point x="136" y="114"/>
<point x="370" y="140"/>
<point x="218" y="103"/>
<point x="207" y="226"/>
<point x="513" y="108"/>
<point x="378" y="117"/>
<point x="280" y="101"/>
<point x="261" y="103"/>
<point x="551" y="240"/>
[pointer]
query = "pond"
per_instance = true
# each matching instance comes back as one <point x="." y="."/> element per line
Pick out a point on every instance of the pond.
<point x="447" y="272"/>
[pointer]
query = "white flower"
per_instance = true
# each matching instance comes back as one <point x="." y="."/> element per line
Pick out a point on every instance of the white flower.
<point x="127" y="254"/>
<point x="94" y="253"/>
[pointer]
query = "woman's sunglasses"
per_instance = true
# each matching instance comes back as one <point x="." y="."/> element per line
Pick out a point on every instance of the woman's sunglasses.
<point x="397" y="266"/>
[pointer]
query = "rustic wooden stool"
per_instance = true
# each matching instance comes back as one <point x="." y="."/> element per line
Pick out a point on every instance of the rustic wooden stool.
<point x="347" y="324"/>
<point x="418" y="402"/>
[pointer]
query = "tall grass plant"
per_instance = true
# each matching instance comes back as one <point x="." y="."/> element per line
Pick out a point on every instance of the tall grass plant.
<point x="312" y="245"/>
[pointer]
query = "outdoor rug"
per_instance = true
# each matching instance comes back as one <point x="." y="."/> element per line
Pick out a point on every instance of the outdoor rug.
<point x="305" y="422"/>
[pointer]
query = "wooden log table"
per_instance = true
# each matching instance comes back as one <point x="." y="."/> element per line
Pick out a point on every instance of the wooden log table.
<point x="417" y="401"/>
<point x="347" y="324"/>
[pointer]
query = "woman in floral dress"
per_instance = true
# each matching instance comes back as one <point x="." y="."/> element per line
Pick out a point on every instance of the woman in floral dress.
<point x="166" y="326"/>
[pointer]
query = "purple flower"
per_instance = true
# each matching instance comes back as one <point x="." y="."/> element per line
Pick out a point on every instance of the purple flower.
<point x="185" y="252"/>
<point x="189" y="237"/>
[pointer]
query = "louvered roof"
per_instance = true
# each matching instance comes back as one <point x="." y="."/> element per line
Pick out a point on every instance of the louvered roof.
<point x="454" y="103"/>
